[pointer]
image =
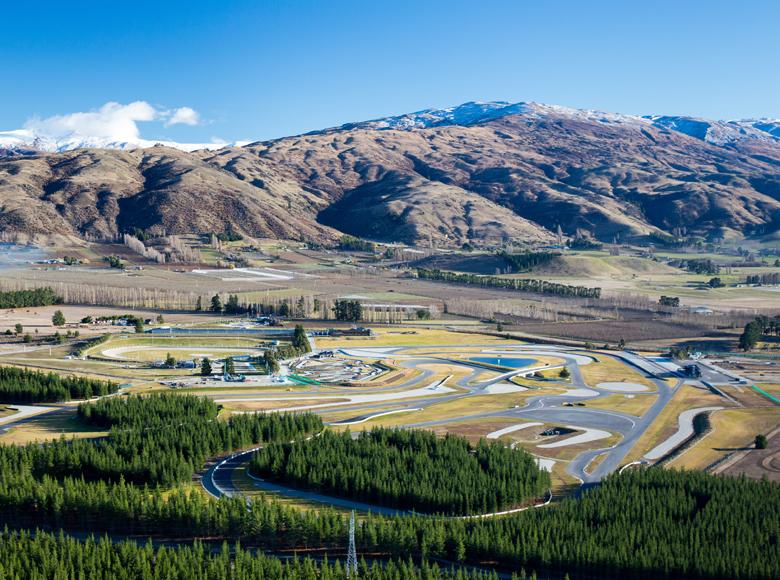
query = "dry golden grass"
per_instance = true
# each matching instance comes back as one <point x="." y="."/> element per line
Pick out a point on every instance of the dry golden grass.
<point x="247" y="487"/>
<point x="632" y="404"/>
<point x="771" y="388"/>
<point x="553" y="386"/>
<point x="595" y="462"/>
<point x="271" y="405"/>
<point x="234" y="389"/>
<point x="686" y="397"/>
<point x="50" y="426"/>
<point x="335" y="415"/>
<point x="732" y="429"/>
<point x="569" y="452"/>
<point x="563" y="484"/>
<point x="611" y="370"/>
<point x="422" y="337"/>
<point x="456" y="408"/>
<point x="393" y="377"/>
<point x="473" y="429"/>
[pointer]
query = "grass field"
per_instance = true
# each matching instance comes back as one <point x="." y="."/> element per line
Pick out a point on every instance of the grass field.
<point x="390" y="336"/>
<point x="569" y="452"/>
<point x="179" y="340"/>
<point x="456" y="408"/>
<point x="595" y="462"/>
<point x="244" y="483"/>
<point x="633" y="404"/>
<point x="268" y="296"/>
<point x="686" y="397"/>
<point x="118" y="371"/>
<point x="732" y="429"/>
<point x="608" y="369"/>
<point x="272" y="405"/>
<point x="49" y="426"/>
<point x="771" y="388"/>
<point x="152" y="354"/>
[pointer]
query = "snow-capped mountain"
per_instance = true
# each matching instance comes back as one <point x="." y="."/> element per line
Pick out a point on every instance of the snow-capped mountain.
<point x="474" y="112"/>
<point x="465" y="114"/>
<point x="478" y="173"/>
<point x="721" y="132"/>
<point x="27" y="141"/>
<point x="715" y="132"/>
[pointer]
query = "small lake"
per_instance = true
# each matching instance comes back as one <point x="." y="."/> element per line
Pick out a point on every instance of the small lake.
<point x="508" y="362"/>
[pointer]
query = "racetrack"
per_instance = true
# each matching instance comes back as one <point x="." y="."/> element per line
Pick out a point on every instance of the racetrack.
<point x="23" y="412"/>
<point x="416" y="394"/>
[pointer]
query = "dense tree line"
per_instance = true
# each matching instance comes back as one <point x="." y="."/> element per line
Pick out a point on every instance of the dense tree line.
<point x="88" y="343"/>
<point x="155" y="440"/>
<point x="645" y="523"/>
<point x="348" y="310"/>
<point x="300" y="341"/>
<point x="641" y="523"/>
<point x="768" y="279"/>
<point x="299" y="345"/>
<point x="26" y="298"/>
<point x="519" y="284"/>
<point x="128" y="319"/>
<point x="233" y="307"/>
<point x="407" y="469"/>
<point x="755" y="329"/>
<point x="114" y="262"/>
<point x="46" y="555"/>
<point x="229" y="236"/>
<point x="527" y="260"/>
<point x="138" y="411"/>
<point x="697" y="266"/>
<point x="584" y="244"/>
<point x="353" y="244"/>
<point x="22" y="386"/>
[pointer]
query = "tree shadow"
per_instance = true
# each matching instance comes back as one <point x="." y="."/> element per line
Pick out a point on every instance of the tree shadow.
<point x="732" y="448"/>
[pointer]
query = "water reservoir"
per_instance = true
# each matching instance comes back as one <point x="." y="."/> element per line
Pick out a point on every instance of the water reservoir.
<point x="503" y="361"/>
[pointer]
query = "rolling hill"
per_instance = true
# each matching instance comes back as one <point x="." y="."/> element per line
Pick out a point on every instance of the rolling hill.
<point x="480" y="172"/>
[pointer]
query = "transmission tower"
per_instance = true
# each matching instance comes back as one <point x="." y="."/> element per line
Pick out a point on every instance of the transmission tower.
<point x="352" y="564"/>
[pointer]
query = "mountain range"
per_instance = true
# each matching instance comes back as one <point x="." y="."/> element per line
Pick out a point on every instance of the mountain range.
<point x="480" y="172"/>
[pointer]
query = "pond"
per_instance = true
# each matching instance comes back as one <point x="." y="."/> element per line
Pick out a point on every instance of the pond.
<point x="508" y="362"/>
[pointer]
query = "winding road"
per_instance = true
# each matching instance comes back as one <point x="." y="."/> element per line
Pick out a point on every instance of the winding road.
<point x="541" y="409"/>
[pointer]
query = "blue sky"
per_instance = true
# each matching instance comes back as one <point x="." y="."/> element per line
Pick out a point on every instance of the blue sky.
<point x="263" y="69"/>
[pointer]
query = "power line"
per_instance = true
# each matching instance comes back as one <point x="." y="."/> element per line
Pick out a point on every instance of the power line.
<point x="352" y="564"/>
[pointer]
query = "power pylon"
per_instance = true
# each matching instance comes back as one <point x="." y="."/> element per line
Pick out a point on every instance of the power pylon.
<point x="352" y="563"/>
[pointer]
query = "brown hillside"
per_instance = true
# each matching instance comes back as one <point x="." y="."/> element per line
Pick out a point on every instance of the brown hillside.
<point x="513" y="178"/>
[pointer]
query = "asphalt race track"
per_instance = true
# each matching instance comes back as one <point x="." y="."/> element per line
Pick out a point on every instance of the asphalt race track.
<point x="543" y="408"/>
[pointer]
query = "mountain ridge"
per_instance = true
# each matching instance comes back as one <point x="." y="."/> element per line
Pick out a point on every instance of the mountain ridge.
<point x="470" y="113"/>
<point x="482" y="173"/>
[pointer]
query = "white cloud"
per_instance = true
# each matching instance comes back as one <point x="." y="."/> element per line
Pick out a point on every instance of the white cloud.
<point x="113" y="122"/>
<point x="114" y="125"/>
<point x="183" y="116"/>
